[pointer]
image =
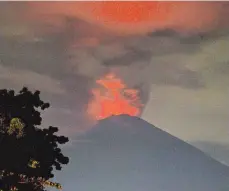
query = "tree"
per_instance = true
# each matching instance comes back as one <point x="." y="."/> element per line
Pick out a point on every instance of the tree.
<point x="28" y="153"/>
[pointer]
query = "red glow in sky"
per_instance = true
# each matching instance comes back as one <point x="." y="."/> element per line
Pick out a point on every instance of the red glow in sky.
<point x="135" y="17"/>
<point x="112" y="97"/>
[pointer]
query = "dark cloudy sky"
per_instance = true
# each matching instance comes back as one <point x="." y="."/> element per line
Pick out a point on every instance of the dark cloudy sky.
<point x="176" y="54"/>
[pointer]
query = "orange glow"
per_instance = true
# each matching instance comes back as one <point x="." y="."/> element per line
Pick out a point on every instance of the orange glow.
<point x="133" y="17"/>
<point x="132" y="12"/>
<point x="113" y="98"/>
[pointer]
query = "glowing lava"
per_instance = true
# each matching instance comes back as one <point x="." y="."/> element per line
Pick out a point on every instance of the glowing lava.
<point x="112" y="97"/>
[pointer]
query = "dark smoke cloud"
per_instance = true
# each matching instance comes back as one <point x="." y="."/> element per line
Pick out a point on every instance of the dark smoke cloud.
<point x="75" y="53"/>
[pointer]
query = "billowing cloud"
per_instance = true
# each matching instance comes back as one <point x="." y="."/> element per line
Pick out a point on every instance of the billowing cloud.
<point x="196" y="114"/>
<point x="140" y="17"/>
<point x="119" y="17"/>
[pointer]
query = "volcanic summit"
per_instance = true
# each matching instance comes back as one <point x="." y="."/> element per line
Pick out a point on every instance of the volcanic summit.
<point x="123" y="153"/>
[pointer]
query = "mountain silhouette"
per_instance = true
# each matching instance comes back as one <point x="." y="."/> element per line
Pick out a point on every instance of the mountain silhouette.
<point x="124" y="153"/>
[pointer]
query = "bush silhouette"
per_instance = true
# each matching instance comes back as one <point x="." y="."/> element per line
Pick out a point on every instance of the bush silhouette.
<point x="28" y="153"/>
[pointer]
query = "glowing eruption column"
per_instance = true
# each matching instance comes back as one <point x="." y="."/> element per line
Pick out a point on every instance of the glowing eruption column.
<point x="113" y="98"/>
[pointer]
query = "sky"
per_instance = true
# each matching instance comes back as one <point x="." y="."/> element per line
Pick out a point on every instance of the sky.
<point x="174" y="53"/>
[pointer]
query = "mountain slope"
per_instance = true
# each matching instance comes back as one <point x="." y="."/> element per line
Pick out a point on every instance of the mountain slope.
<point x="126" y="154"/>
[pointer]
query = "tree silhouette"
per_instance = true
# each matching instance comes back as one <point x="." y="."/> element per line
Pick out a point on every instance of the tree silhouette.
<point x="28" y="154"/>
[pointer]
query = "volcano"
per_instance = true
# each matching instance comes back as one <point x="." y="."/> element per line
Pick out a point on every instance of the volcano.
<point x="123" y="153"/>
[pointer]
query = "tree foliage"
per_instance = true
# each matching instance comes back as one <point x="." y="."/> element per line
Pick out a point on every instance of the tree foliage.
<point x="25" y="149"/>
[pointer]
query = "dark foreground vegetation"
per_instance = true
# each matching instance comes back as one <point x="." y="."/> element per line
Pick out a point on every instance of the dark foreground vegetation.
<point x="28" y="153"/>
